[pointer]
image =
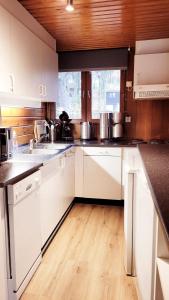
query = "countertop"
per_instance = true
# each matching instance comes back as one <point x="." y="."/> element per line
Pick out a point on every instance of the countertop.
<point x="156" y="164"/>
<point x="97" y="143"/>
<point x="11" y="172"/>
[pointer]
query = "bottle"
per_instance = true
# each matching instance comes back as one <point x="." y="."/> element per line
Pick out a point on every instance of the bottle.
<point x="52" y="133"/>
<point x="14" y="142"/>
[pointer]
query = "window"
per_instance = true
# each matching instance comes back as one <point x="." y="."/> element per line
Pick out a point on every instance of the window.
<point x="105" y="92"/>
<point x="69" y="97"/>
<point x="75" y="89"/>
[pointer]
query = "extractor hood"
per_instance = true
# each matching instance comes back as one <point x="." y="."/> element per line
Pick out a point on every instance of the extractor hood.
<point x="151" y="76"/>
<point x="151" y="91"/>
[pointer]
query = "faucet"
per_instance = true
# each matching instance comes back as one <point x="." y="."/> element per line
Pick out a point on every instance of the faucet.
<point x="32" y="143"/>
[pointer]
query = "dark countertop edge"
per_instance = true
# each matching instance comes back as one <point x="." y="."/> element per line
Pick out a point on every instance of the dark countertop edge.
<point x="21" y="176"/>
<point x="154" y="197"/>
<point x="95" y="143"/>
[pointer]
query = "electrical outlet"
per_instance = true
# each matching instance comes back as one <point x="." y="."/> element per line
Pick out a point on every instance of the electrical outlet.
<point x="129" y="84"/>
<point x="128" y="119"/>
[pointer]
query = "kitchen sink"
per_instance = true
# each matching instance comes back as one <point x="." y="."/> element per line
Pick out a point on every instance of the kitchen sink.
<point x="41" y="151"/>
<point x="55" y="146"/>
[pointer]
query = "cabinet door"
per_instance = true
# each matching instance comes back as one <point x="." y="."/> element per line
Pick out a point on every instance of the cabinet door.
<point x="49" y="71"/>
<point x="5" y="47"/>
<point x="51" y="198"/>
<point x="79" y="172"/>
<point x="69" y="179"/>
<point x="3" y="259"/>
<point x="102" y="177"/>
<point x="144" y="238"/>
<point x="51" y="77"/>
<point x="25" y="61"/>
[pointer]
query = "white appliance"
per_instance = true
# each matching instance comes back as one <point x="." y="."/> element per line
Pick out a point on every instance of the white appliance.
<point x="151" y="70"/>
<point x="130" y="165"/>
<point x="24" y="233"/>
<point x="102" y="173"/>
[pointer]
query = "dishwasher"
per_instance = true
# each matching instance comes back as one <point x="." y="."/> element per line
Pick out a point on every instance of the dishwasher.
<point x="24" y="233"/>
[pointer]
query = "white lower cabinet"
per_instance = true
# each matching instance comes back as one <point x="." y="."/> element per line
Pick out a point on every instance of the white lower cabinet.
<point x="57" y="192"/>
<point x="51" y="197"/>
<point x="102" y="173"/>
<point x="3" y="258"/>
<point x="145" y="235"/>
<point x="69" y="178"/>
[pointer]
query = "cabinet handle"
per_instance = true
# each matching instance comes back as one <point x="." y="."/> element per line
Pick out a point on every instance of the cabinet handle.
<point x="11" y="77"/>
<point x="45" y="90"/>
<point x="41" y="89"/>
<point x="29" y="186"/>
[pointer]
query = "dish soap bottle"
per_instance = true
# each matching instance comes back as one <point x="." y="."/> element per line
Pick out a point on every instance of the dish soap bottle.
<point x="15" y="143"/>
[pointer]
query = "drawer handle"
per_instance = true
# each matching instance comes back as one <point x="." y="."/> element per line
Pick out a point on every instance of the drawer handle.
<point x="28" y="187"/>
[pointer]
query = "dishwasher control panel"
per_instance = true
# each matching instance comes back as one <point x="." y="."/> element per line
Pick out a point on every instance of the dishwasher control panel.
<point x="21" y="189"/>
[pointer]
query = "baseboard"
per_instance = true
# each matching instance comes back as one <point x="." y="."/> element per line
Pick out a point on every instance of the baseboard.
<point x="99" y="201"/>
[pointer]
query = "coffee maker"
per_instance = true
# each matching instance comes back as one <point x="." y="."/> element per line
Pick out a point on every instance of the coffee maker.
<point x="6" y="143"/>
<point x="66" y="130"/>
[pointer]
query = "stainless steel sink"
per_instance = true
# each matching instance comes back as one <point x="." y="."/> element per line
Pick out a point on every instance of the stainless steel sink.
<point x="41" y="151"/>
<point x="55" y="146"/>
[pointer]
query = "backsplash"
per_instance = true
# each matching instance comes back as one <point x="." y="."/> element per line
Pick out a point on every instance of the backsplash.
<point x="21" y="120"/>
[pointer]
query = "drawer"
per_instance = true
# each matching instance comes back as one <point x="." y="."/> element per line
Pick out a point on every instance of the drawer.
<point x="104" y="151"/>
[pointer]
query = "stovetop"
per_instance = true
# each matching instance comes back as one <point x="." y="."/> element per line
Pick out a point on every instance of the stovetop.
<point x="123" y="141"/>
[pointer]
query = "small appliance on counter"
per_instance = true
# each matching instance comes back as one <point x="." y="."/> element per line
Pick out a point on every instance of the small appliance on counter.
<point x="86" y="131"/>
<point x="111" y="126"/>
<point x="117" y="127"/>
<point x="105" y="125"/>
<point x="65" y="127"/>
<point x="6" y="143"/>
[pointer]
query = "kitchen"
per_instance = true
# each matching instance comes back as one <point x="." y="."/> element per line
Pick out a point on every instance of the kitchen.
<point x="69" y="243"/>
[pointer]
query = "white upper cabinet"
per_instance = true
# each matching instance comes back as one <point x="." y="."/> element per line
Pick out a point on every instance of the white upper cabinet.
<point x="28" y="66"/>
<point x="5" y="46"/>
<point x="25" y="61"/>
<point x="49" y="71"/>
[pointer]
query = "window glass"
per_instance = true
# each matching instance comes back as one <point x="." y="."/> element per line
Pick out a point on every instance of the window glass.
<point x="105" y="92"/>
<point x="69" y="94"/>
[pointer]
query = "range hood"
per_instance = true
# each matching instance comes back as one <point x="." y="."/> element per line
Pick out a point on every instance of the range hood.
<point x="151" y="76"/>
<point x="151" y="91"/>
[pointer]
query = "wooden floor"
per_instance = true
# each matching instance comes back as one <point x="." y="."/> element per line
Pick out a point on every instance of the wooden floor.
<point x="85" y="259"/>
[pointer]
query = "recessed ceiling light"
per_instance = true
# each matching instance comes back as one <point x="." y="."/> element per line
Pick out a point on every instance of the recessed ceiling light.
<point x="70" y="6"/>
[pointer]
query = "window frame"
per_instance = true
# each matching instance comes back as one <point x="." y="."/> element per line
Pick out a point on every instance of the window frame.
<point x="76" y="121"/>
<point x="86" y="99"/>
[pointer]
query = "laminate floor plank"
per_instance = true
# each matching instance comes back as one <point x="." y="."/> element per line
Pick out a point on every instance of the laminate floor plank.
<point x="85" y="259"/>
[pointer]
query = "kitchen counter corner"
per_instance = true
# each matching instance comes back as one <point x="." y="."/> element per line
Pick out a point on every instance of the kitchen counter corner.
<point x="156" y="162"/>
<point x="11" y="172"/>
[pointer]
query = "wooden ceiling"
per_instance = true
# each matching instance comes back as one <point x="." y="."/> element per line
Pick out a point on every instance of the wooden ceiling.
<point x="101" y="23"/>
